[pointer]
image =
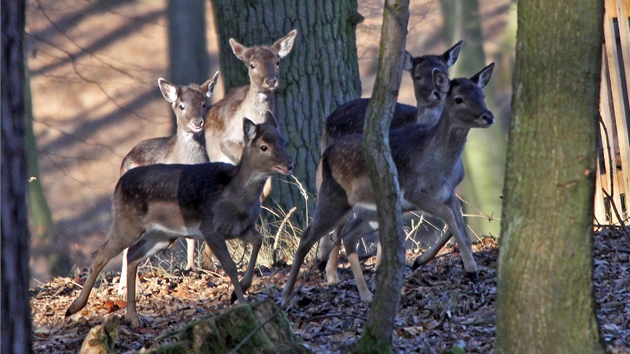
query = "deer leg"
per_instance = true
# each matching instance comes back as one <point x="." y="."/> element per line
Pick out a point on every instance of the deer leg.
<point x="207" y="257"/>
<point x="220" y="250"/>
<point x="428" y="255"/>
<point x="448" y="212"/>
<point x="379" y="256"/>
<point x="255" y="239"/>
<point x="115" y="244"/>
<point x="149" y="245"/>
<point x="123" y="274"/>
<point x="321" y="225"/>
<point x="190" y="253"/>
<point x="353" y="231"/>
<point x="333" y="256"/>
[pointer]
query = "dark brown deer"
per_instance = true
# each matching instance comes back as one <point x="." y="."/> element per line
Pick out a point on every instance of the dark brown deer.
<point x="224" y="136"/>
<point x="213" y="202"/>
<point x="426" y="160"/>
<point x="187" y="146"/>
<point x="429" y="74"/>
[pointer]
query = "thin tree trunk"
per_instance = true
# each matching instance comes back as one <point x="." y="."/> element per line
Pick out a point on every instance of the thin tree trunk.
<point x="16" y="319"/>
<point x="484" y="162"/>
<point x="320" y="73"/>
<point x="545" y="289"/>
<point x="377" y="337"/>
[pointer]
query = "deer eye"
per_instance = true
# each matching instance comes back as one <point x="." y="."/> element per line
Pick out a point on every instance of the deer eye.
<point x="264" y="148"/>
<point x="181" y="106"/>
<point x="252" y="65"/>
<point x="459" y="100"/>
<point x="278" y="63"/>
<point x="203" y="105"/>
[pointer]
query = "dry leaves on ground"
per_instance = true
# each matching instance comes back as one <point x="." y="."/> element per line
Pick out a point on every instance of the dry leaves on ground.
<point x="439" y="308"/>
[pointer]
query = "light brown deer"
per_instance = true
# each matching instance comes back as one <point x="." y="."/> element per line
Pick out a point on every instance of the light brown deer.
<point x="214" y="202"/>
<point x="429" y="74"/>
<point x="426" y="160"/>
<point x="187" y="146"/>
<point x="224" y="137"/>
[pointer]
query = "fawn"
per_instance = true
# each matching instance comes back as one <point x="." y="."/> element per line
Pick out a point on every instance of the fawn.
<point x="429" y="74"/>
<point x="426" y="159"/>
<point x="213" y="202"/>
<point x="187" y="146"/>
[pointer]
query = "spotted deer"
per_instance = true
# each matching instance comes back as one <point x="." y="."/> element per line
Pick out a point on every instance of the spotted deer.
<point x="213" y="202"/>
<point x="429" y="74"/>
<point x="187" y="146"/>
<point x="426" y="160"/>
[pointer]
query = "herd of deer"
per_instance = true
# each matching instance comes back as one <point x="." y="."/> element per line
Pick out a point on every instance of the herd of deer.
<point x="207" y="182"/>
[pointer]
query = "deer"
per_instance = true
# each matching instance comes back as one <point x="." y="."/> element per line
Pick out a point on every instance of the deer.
<point x="187" y="146"/>
<point x="224" y="138"/>
<point x="429" y="74"/>
<point x="426" y="159"/>
<point x="212" y="201"/>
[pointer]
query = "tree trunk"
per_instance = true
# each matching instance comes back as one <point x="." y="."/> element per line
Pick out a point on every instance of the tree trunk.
<point x="41" y="222"/>
<point x="187" y="53"/>
<point x="545" y="291"/>
<point x="16" y="319"/>
<point x="377" y="337"/>
<point x="320" y="73"/>
<point x="484" y="162"/>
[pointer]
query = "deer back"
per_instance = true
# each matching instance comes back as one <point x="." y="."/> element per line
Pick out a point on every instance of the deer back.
<point x="426" y="157"/>
<point x="429" y="90"/>
<point x="188" y="146"/>
<point x="224" y="119"/>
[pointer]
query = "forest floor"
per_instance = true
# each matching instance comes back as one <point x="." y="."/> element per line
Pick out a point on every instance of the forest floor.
<point x="439" y="308"/>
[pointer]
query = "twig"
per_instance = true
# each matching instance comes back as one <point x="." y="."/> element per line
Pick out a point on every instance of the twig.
<point x="277" y="237"/>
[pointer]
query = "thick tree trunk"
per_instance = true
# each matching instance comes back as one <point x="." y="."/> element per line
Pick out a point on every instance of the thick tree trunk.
<point x="484" y="162"/>
<point x="187" y="53"/>
<point x="320" y="73"/>
<point x="545" y="291"/>
<point x="377" y="336"/>
<point x="16" y="319"/>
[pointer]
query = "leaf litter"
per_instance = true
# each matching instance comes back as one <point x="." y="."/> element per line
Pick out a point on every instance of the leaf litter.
<point x="439" y="309"/>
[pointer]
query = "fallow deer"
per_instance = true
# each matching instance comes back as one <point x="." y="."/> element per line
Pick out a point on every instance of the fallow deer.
<point x="187" y="146"/>
<point x="426" y="159"/>
<point x="213" y="202"/>
<point x="429" y="74"/>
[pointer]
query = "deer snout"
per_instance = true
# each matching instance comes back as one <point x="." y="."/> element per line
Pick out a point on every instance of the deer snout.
<point x="271" y="82"/>
<point x="487" y="118"/>
<point x="285" y="168"/>
<point x="196" y="124"/>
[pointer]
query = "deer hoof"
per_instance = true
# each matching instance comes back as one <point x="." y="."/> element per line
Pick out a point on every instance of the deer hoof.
<point x="473" y="277"/>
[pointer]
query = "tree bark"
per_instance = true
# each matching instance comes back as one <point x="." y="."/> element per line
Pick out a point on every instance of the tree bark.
<point x="377" y="337"/>
<point x="320" y="73"/>
<point x="16" y="319"/>
<point x="545" y="291"/>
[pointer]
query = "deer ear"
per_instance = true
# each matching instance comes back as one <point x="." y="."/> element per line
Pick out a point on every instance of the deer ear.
<point x="407" y="61"/>
<point x="169" y="91"/>
<point x="208" y="87"/>
<point x="237" y="48"/>
<point x="282" y="47"/>
<point x="270" y="119"/>
<point x="249" y="130"/>
<point x="451" y="55"/>
<point x="441" y="80"/>
<point x="482" y="78"/>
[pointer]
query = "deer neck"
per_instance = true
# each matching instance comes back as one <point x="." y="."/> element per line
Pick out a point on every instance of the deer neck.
<point x="191" y="147"/>
<point x="429" y="115"/>
<point x="257" y="102"/>
<point x="248" y="179"/>
<point x="448" y="140"/>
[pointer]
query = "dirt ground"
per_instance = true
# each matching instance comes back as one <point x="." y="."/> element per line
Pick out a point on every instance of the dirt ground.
<point x="439" y="308"/>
